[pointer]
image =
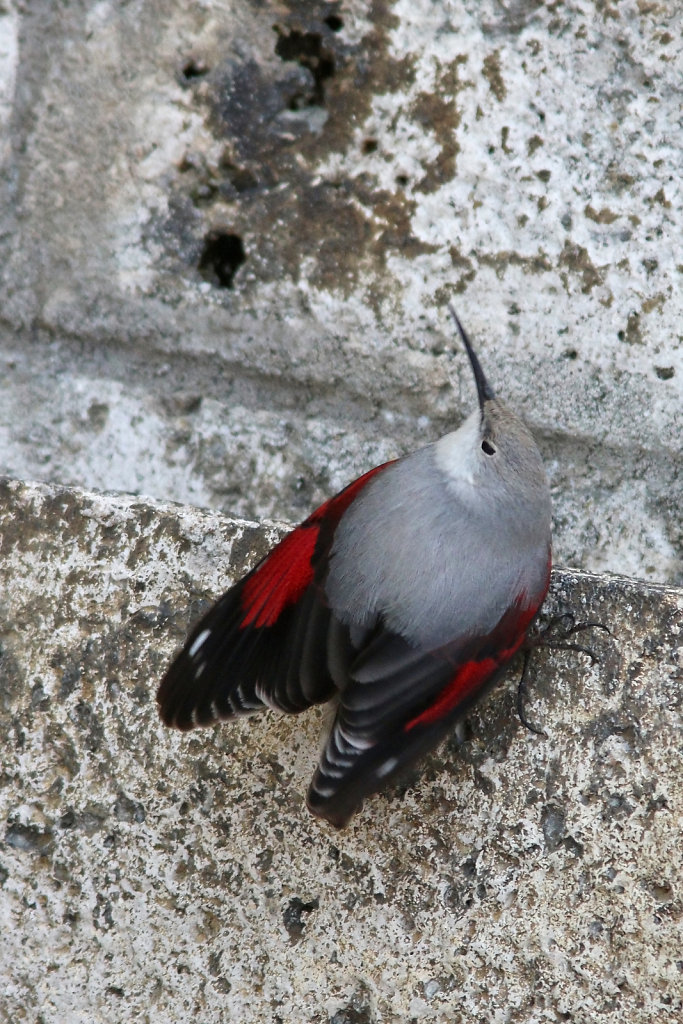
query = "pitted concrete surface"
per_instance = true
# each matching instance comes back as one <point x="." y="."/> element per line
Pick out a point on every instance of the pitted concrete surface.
<point x="228" y="233"/>
<point x="146" y="875"/>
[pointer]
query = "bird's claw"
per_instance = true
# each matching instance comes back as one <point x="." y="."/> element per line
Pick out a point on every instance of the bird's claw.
<point x="522" y="694"/>
<point x="542" y="637"/>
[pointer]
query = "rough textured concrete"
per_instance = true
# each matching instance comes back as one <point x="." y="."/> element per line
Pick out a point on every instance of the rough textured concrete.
<point x="228" y="232"/>
<point x="156" y="877"/>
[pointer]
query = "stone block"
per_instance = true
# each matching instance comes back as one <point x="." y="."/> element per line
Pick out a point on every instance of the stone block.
<point x="148" y="875"/>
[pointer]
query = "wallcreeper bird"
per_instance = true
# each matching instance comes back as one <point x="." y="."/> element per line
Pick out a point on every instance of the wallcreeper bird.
<point x="400" y="600"/>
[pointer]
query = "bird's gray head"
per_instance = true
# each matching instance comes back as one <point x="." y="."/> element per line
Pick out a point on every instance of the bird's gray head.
<point x="492" y="457"/>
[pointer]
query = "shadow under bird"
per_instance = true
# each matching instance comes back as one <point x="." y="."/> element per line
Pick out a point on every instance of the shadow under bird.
<point x="399" y="601"/>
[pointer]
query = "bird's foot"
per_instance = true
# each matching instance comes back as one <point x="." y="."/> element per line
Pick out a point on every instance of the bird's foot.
<point x="555" y="634"/>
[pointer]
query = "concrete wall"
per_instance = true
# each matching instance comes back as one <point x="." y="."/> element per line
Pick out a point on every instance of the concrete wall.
<point x="372" y="160"/>
<point x="228" y="233"/>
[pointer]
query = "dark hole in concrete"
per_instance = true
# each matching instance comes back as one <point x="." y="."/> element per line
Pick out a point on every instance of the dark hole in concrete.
<point x="571" y="353"/>
<point x="292" y="916"/>
<point x="469" y="867"/>
<point x="351" y="1015"/>
<point x="369" y="146"/>
<point x="223" y="254"/>
<point x="664" y="372"/>
<point x="402" y="180"/>
<point x="307" y="50"/>
<point x="242" y="179"/>
<point x="334" y="22"/>
<point x="193" y="69"/>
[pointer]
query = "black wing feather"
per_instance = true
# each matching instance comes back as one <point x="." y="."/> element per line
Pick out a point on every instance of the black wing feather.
<point x="239" y="668"/>
<point x="346" y="774"/>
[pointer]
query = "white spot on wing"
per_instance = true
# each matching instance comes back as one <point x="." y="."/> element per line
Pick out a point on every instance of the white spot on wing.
<point x="197" y="643"/>
<point x="324" y="791"/>
<point x="354" y="742"/>
<point x="387" y="767"/>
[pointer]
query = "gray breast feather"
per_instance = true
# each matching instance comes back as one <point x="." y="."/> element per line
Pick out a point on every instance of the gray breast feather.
<point x="411" y="550"/>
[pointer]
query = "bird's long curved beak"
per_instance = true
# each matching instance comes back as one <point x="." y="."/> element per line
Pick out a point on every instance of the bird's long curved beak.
<point x="484" y="389"/>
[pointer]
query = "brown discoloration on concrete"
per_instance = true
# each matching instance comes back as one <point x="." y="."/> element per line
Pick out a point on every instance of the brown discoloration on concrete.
<point x="465" y="268"/>
<point x="438" y="112"/>
<point x="576" y="260"/>
<point x="633" y="334"/>
<point x="602" y="216"/>
<point x="280" y="118"/>
<point x="493" y="74"/>
<point x="500" y="261"/>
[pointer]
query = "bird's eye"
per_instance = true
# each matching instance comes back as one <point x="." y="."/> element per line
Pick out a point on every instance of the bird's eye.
<point x="488" y="448"/>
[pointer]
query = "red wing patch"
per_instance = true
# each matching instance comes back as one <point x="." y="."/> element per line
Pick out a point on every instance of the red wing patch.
<point x="283" y="576"/>
<point x="464" y="683"/>
<point x="470" y="676"/>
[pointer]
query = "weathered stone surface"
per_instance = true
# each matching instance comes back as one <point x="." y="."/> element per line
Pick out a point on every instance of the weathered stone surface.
<point x="228" y="233"/>
<point x="150" y="876"/>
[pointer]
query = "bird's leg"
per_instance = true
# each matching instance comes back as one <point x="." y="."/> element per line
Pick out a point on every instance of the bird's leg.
<point x="552" y="635"/>
<point x="522" y="694"/>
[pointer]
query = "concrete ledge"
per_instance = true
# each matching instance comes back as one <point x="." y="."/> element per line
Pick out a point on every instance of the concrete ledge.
<point x="152" y="876"/>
